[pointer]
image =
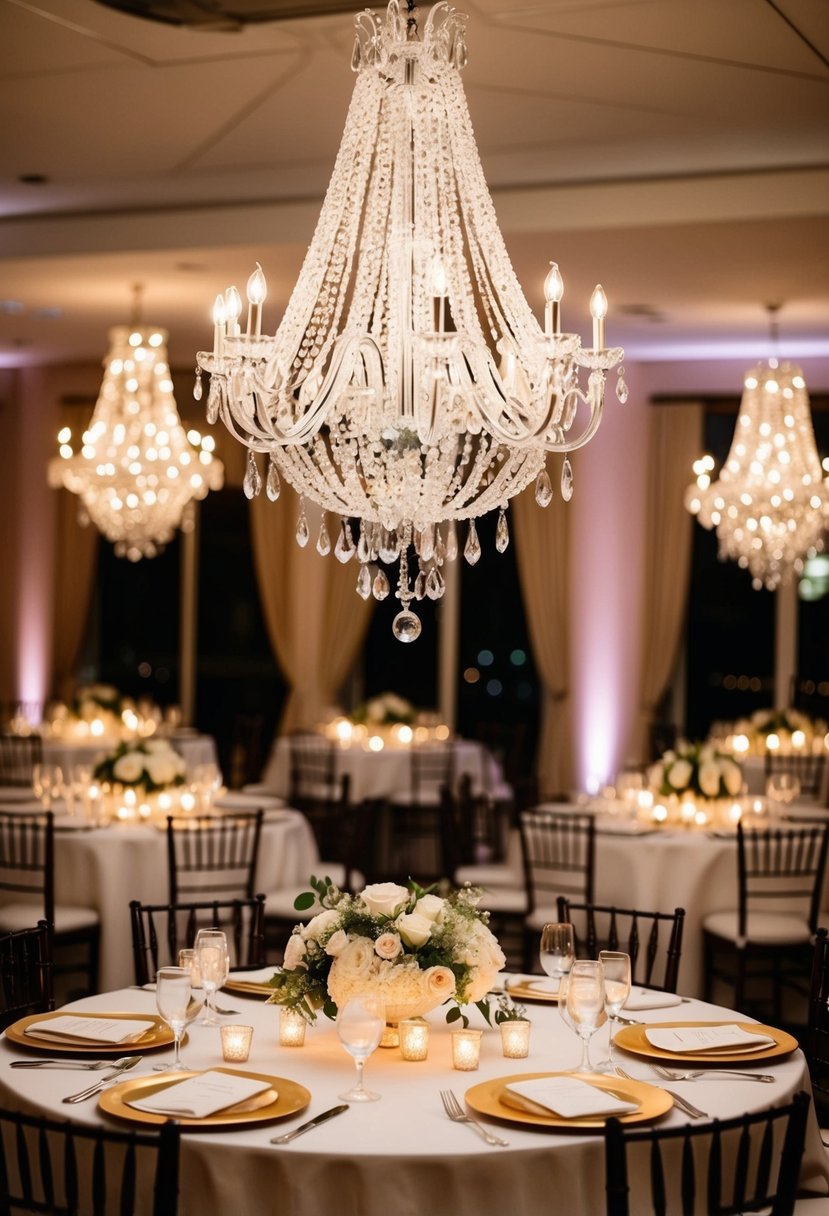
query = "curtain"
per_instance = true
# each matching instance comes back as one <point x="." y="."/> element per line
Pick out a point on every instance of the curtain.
<point x="316" y="622"/>
<point x="542" y="549"/>
<point x="76" y="560"/>
<point x="675" y="440"/>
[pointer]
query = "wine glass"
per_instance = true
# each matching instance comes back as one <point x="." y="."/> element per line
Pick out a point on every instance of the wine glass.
<point x="47" y="783"/>
<point x="557" y="949"/>
<point x="585" y="1004"/>
<point x="211" y="955"/>
<point x="616" y="967"/>
<point x="360" y="1025"/>
<point x="172" y="998"/>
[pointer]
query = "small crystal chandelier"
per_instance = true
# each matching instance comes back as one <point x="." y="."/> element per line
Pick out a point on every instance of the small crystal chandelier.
<point x="137" y="473"/>
<point x="409" y="385"/>
<point x="770" y="503"/>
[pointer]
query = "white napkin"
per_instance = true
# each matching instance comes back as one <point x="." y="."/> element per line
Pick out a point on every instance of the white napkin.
<point x="696" y="1039"/>
<point x="570" y="1097"/>
<point x="253" y="977"/>
<point x="234" y="799"/>
<point x="200" y="1096"/>
<point x="68" y="1029"/>
<point x="646" y="998"/>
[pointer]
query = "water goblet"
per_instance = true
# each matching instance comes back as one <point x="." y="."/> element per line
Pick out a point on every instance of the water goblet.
<point x="557" y="950"/>
<point x="172" y="999"/>
<point x="585" y="1004"/>
<point x="360" y="1026"/>
<point x="616" y="967"/>
<point x="211" y="955"/>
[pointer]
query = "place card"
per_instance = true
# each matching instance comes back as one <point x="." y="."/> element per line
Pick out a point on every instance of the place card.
<point x="68" y="1029"/>
<point x="695" y="1039"/>
<point x="201" y="1096"/>
<point x="570" y="1098"/>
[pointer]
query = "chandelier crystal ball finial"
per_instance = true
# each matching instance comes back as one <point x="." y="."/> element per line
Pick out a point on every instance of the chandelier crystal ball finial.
<point x="136" y="471"/>
<point x="409" y="385"/>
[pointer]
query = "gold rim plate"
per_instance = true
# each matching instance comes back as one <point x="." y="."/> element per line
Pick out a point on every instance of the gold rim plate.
<point x="245" y="988"/>
<point x="524" y="991"/>
<point x="280" y="1099"/>
<point x="488" y="1099"/>
<point x="634" y="1039"/>
<point x="159" y="1036"/>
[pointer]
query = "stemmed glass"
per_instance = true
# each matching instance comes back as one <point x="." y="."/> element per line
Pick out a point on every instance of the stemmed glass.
<point x="172" y="999"/>
<point x="47" y="783"/>
<point x="616" y="966"/>
<point x="557" y="950"/>
<point x="782" y="788"/>
<point x="585" y="1004"/>
<point x="211" y="955"/>
<point x="360" y="1025"/>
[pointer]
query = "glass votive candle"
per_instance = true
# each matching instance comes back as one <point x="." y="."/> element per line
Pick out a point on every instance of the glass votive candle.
<point x="291" y="1028"/>
<point x="414" y="1038"/>
<point x="236" y="1043"/>
<point x="466" y="1049"/>
<point x="515" y="1038"/>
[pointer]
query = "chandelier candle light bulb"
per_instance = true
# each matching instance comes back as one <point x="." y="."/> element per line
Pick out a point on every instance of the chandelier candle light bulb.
<point x="257" y="291"/>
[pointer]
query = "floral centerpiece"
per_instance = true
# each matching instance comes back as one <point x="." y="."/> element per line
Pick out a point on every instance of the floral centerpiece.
<point x="793" y="730"/>
<point x="415" y="949"/>
<point x="697" y="770"/>
<point x="387" y="709"/>
<point x="146" y="764"/>
<point x="93" y="699"/>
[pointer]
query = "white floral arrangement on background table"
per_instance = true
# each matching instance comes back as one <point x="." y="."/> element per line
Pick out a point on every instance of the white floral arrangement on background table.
<point x="386" y="709"/>
<point x="697" y="770"/>
<point x="789" y="729"/>
<point x="416" y="949"/>
<point x="150" y="765"/>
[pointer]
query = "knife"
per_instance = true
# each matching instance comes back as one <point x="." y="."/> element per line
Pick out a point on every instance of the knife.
<point x="129" y="1062"/>
<point x="305" y="1127"/>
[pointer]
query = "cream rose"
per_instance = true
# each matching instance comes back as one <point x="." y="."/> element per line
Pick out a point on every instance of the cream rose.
<point x="162" y="770"/>
<point x="679" y="774"/>
<point x="128" y="767"/>
<point x="430" y="906"/>
<point x="357" y="957"/>
<point x="384" y="898"/>
<point x="336" y="943"/>
<point x="709" y="778"/>
<point x="320" y="923"/>
<point x="440" y="982"/>
<point x="733" y="777"/>
<point x="294" y="953"/>
<point x="388" y="946"/>
<point x="414" y="929"/>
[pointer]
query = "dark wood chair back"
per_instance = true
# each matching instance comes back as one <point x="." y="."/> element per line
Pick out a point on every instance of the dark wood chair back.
<point x="18" y="756"/>
<point x="63" y="1168"/>
<point x="27" y="862"/>
<point x="213" y="857"/>
<point x="652" y="939"/>
<point x="25" y="973"/>
<point x="559" y="850"/>
<point x="313" y="769"/>
<point x="723" y="1167"/>
<point x="807" y="767"/>
<point x="817" y="1040"/>
<point x="780" y="867"/>
<point x="431" y="768"/>
<point x="159" y="931"/>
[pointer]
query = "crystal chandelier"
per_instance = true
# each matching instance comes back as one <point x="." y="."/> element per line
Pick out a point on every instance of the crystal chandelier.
<point x="770" y="503"/>
<point x="137" y="473"/>
<point x="409" y="385"/>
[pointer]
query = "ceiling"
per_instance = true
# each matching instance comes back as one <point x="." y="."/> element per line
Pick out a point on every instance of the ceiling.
<point x="675" y="150"/>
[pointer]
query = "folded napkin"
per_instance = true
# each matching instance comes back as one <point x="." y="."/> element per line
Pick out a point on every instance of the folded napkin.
<point x="709" y="1039"/>
<point x="200" y="1096"/>
<point x="569" y="1097"/>
<point x="235" y="800"/>
<point x="252" y="977"/>
<point x="68" y="1029"/>
<point x="646" y="998"/>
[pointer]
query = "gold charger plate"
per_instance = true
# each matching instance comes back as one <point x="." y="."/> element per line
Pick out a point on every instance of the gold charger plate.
<point x="487" y="1099"/>
<point x="247" y="988"/>
<point x="159" y="1036"/>
<point x="526" y="992"/>
<point x="280" y="1099"/>
<point x="634" y="1039"/>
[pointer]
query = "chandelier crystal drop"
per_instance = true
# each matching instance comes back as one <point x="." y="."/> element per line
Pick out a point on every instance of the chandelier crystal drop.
<point x="409" y="385"/>
<point x="136" y="471"/>
<point x="770" y="504"/>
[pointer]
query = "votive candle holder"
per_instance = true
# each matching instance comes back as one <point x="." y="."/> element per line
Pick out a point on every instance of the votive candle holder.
<point x="515" y="1038"/>
<point x="414" y="1038"/>
<point x="291" y="1028"/>
<point x="236" y="1042"/>
<point x="466" y="1049"/>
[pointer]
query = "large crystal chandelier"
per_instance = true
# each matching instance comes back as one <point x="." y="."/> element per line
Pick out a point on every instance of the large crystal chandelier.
<point x="137" y="473"/>
<point x="770" y="503"/>
<point x="409" y="385"/>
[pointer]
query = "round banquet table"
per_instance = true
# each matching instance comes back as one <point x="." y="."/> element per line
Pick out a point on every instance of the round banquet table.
<point x="399" y="1154"/>
<point x="195" y="748"/>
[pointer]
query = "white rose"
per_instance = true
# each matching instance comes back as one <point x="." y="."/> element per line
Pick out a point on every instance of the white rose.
<point x="440" y="982"/>
<point x="160" y="769"/>
<point x="128" y="767"/>
<point x="357" y="957"/>
<point x="414" y="929"/>
<point x="733" y="777"/>
<point x="319" y="923"/>
<point x="655" y="776"/>
<point x="709" y="778"/>
<point x="294" y="953"/>
<point x="480" y="984"/>
<point x="431" y="906"/>
<point x="679" y="774"/>
<point x="384" y="898"/>
<point x="157" y="745"/>
<point x="336" y="943"/>
<point x="388" y="946"/>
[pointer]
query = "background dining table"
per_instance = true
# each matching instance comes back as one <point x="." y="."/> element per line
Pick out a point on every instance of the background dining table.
<point x="400" y="1154"/>
<point x="197" y="749"/>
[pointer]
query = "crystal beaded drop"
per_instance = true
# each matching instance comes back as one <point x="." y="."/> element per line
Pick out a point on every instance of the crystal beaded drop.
<point x="323" y="541"/>
<point x="388" y="547"/>
<point x="302" y="529"/>
<point x="622" y="391"/>
<point x="501" y="532"/>
<point x="451" y="541"/>
<point x="420" y="586"/>
<point x="543" y="489"/>
<point x="406" y="626"/>
<point x="432" y="585"/>
<point x="214" y="400"/>
<point x="364" y="582"/>
<point x="381" y="585"/>
<point x="272" y="485"/>
<point x="197" y="387"/>
<point x="472" y="548"/>
<point x="252" y="483"/>
<point x="363" y="549"/>
<point x="566" y="480"/>
<point x="345" y="548"/>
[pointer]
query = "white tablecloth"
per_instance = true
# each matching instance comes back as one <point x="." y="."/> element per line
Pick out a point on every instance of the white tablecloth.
<point x="196" y="749"/>
<point x="399" y="1155"/>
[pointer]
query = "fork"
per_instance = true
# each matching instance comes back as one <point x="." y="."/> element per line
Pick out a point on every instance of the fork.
<point x="673" y="1074"/>
<point x="92" y="1065"/>
<point x="455" y="1112"/>
<point x="682" y="1103"/>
